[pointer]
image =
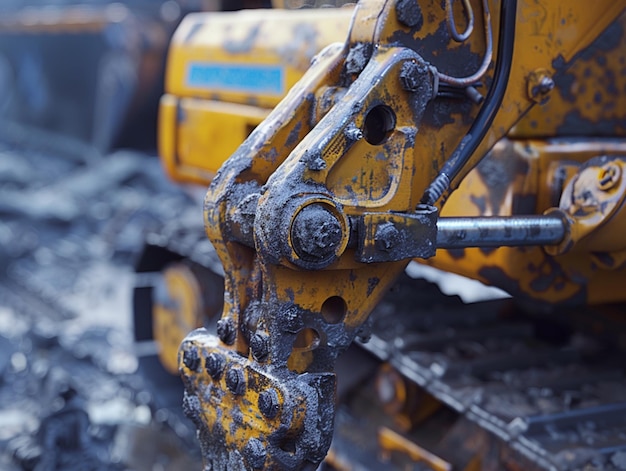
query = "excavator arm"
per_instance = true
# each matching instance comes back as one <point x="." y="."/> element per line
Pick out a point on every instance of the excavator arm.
<point x="329" y="198"/>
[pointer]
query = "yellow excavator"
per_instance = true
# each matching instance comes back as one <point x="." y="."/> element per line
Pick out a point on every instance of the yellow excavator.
<point x="481" y="137"/>
<point x="226" y="71"/>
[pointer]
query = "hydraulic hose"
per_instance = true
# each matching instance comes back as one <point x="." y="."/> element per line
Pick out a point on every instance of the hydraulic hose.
<point x="487" y="113"/>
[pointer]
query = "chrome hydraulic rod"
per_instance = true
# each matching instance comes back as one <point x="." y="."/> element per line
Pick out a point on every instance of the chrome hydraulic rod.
<point x="461" y="232"/>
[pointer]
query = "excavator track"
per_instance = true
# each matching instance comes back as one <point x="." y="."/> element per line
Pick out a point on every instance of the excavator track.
<point x="516" y="391"/>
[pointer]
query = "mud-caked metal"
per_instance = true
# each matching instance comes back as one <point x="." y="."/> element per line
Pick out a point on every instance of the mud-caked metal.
<point x="321" y="208"/>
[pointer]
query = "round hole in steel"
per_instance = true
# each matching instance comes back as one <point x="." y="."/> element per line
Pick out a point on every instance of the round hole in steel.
<point x="307" y="339"/>
<point x="334" y="309"/>
<point x="378" y="124"/>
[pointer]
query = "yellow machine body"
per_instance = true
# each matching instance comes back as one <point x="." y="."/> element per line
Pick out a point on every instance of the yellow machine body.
<point x="526" y="177"/>
<point x="226" y="72"/>
<point x="385" y="151"/>
<point x="582" y="117"/>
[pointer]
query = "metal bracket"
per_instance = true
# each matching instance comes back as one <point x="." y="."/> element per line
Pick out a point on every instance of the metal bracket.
<point x="390" y="237"/>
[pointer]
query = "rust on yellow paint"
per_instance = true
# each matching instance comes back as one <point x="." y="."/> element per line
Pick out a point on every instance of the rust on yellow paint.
<point x="360" y="137"/>
<point x="589" y="95"/>
<point x="528" y="177"/>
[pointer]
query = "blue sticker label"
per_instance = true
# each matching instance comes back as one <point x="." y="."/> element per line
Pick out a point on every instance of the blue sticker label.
<point x="236" y="78"/>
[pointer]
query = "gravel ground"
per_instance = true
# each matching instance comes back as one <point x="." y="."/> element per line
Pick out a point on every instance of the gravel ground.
<point x="73" y="392"/>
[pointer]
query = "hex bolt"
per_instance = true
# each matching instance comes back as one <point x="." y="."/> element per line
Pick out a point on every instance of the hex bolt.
<point x="268" y="403"/>
<point x="409" y="13"/>
<point x="259" y="345"/>
<point x="387" y="237"/>
<point x="540" y="83"/>
<point x="314" y="161"/>
<point x="609" y="176"/>
<point x="191" y="359"/>
<point x="316" y="233"/>
<point x="192" y="408"/>
<point x="235" y="381"/>
<point x="545" y="85"/>
<point x="255" y="453"/>
<point x="226" y="331"/>
<point x="411" y="76"/>
<point x="353" y="133"/>
<point x="289" y="319"/>
<point x="357" y="58"/>
<point x="214" y="364"/>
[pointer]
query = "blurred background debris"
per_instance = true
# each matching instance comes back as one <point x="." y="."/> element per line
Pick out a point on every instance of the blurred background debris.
<point x="71" y="388"/>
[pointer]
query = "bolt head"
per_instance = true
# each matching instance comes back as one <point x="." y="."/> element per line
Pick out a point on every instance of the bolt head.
<point x="540" y="83"/>
<point x="191" y="359"/>
<point x="289" y="319"/>
<point x="235" y="381"/>
<point x="226" y="331"/>
<point x="609" y="176"/>
<point x="357" y="58"/>
<point x="316" y="233"/>
<point x="546" y="84"/>
<point x="353" y="133"/>
<point x="314" y="161"/>
<point x="259" y="345"/>
<point x="255" y="453"/>
<point x="387" y="237"/>
<point x="268" y="403"/>
<point x="214" y="364"/>
<point x="411" y="76"/>
<point x="409" y="13"/>
<point x="192" y="408"/>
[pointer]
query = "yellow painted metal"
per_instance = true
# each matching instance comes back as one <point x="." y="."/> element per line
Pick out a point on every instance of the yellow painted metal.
<point x="288" y="39"/>
<point x="320" y="145"/>
<point x="225" y="72"/>
<point x="353" y="177"/>
<point x="242" y="270"/>
<point x="528" y="177"/>
<point x="260" y="159"/>
<point x="245" y="403"/>
<point x="545" y="38"/>
<point x="594" y="199"/>
<point x="589" y="96"/>
<point x="199" y="135"/>
<point x="177" y="311"/>
<point x="403" y="400"/>
<point x="391" y="442"/>
<point x="551" y="37"/>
